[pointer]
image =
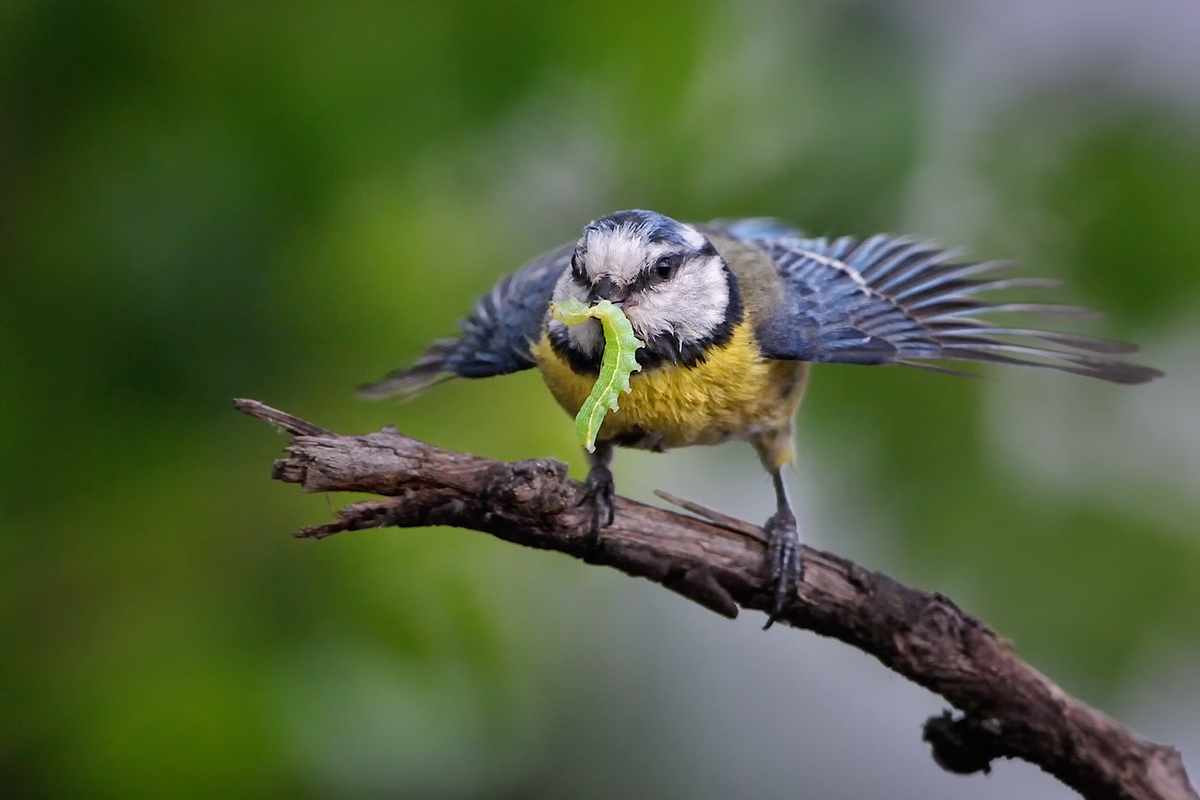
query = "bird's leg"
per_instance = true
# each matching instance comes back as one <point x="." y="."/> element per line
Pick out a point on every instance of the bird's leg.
<point x="783" y="549"/>
<point x="601" y="491"/>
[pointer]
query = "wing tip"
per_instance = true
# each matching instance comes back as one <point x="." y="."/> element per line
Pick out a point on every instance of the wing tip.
<point x="429" y="370"/>
<point x="403" y="384"/>
<point x="1124" y="373"/>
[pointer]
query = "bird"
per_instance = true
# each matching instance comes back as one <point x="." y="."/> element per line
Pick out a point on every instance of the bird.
<point x="732" y="315"/>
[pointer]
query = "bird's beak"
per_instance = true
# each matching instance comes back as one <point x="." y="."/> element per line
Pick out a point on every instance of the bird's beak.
<point x="607" y="289"/>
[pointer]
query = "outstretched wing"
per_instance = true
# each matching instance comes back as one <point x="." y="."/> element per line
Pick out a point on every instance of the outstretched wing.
<point x="756" y="229"/>
<point x="496" y="338"/>
<point x="890" y="300"/>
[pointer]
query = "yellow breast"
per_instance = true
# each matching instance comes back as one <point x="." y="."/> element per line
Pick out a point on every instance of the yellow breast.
<point x="735" y="394"/>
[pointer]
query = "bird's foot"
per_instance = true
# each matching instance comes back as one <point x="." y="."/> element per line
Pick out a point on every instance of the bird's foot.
<point x="783" y="560"/>
<point x="602" y="497"/>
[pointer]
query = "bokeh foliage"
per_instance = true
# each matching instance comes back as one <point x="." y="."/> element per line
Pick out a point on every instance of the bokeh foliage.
<point x="282" y="200"/>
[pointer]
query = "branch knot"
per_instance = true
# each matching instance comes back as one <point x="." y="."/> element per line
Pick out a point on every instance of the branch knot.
<point x="964" y="744"/>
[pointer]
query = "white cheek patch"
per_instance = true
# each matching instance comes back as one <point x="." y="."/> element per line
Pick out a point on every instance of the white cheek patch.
<point x="587" y="338"/>
<point x="566" y="288"/>
<point x="689" y="307"/>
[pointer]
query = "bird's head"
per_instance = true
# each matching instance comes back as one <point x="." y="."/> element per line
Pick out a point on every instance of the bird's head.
<point x="677" y="291"/>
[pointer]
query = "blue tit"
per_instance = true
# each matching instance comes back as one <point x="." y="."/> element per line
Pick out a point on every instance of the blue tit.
<point x="733" y="314"/>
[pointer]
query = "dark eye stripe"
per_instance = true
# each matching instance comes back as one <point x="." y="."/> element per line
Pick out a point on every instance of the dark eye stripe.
<point x="577" y="271"/>
<point x="642" y="282"/>
<point x="648" y="278"/>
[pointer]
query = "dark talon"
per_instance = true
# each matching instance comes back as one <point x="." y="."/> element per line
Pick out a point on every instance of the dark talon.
<point x="601" y="495"/>
<point x="783" y="560"/>
<point x="783" y="553"/>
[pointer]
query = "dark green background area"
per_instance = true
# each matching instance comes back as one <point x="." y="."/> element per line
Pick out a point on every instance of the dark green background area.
<point x="282" y="201"/>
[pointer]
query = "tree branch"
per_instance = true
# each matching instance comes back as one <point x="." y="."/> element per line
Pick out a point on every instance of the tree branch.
<point x="1009" y="709"/>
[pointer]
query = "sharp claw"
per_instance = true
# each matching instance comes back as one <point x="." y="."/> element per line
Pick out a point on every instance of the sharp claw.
<point x="601" y="494"/>
<point x="783" y="561"/>
<point x="602" y="515"/>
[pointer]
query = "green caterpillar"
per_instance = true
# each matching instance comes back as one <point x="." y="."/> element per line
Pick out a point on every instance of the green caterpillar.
<point x="617" y="364"/>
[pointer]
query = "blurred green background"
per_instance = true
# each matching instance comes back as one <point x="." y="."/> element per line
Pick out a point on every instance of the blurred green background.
<point x="282" y="201"/>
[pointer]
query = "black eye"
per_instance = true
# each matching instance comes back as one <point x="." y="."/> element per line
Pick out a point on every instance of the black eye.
<point x="665" y="267"/>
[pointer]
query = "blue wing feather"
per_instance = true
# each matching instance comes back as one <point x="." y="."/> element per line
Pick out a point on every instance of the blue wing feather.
<point x="894" y="300"/>
<point x="757" y="228"/>
<point x="496" y="338"/>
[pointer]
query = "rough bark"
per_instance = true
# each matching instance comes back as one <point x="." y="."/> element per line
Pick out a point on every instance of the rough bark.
<point x="1008" y="709"/>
